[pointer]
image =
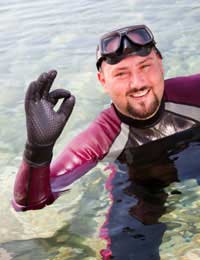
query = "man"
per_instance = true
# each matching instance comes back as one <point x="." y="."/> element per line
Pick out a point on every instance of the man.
<point x="143" y="110"/>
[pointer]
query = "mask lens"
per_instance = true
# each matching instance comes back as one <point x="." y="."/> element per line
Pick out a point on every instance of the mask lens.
<point x="140" y="36"/>
<point x="118" y="44"/>
<point x="111" y="44"/>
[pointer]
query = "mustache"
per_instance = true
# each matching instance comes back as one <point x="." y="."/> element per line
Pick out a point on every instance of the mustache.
<point x="135" y="90"/>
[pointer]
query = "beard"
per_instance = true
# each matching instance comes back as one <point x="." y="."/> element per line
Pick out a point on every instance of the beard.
<point x="142" y="111"/>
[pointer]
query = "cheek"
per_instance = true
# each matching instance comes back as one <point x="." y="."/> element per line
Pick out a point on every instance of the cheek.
<point x="119" y="91"/>
<point x="117" y="94"/>
<point x="159" y="86"/>
<point x="156" y="76"/>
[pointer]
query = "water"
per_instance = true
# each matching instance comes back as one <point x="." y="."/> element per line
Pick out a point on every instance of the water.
<point x="40" y="35"/>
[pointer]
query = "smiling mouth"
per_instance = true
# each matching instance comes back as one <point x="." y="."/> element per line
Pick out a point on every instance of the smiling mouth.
<point x="139" y="93"/>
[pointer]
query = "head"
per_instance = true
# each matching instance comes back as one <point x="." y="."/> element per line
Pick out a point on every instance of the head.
<point x="131" y="72"/>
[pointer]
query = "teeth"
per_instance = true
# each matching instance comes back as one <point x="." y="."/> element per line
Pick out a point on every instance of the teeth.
<point x="140" y="93"/>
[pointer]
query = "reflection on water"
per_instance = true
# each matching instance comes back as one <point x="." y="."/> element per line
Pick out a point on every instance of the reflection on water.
<point x="143" y="199"/>
<point x="40" y="35"/>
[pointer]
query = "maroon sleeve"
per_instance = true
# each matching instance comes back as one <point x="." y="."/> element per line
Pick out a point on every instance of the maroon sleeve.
<point x="37" y="187"/>
<point x="32" y="188"/>
<point x="183" y="90"/>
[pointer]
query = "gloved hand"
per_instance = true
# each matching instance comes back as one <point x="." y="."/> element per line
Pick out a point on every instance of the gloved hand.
<point x="44" y="124"/>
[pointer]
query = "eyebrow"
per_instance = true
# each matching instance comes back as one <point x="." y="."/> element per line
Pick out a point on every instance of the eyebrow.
<point x="121" y="68"/>
<point x="143" y="61"/>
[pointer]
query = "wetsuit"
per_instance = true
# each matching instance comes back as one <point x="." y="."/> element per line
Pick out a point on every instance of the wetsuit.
<point x="111" y="137"/>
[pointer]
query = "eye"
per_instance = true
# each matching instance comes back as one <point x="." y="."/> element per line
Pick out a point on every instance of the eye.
<point x="146" y="66"/>
<point x="121" y="74"/>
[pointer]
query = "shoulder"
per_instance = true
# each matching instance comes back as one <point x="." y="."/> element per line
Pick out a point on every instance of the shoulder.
<point x="184" y="90"/>
<point x="106" y="125"/>
<point x="97" y="138"/>
<point x="108" y="118"/>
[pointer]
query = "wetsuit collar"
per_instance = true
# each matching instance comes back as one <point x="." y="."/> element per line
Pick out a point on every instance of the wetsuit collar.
<point x="141" y="123"/>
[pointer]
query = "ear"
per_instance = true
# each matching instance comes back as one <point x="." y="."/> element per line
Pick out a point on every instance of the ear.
<point x="102" y="80"/>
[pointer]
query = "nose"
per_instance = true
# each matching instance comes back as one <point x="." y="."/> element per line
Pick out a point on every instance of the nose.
<point x="137" y="81"/>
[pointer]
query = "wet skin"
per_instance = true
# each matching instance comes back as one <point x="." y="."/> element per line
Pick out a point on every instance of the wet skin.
<point x="135" y="84"/>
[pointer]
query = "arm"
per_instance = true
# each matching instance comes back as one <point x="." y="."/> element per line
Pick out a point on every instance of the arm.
<point x="44" y="125"/>
<point x="184" y="90"/>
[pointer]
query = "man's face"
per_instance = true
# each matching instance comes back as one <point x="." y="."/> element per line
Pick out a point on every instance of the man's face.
<point x="135" y="84"/>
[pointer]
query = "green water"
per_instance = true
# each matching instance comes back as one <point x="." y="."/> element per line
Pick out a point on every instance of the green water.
<point x="40" y="35"/>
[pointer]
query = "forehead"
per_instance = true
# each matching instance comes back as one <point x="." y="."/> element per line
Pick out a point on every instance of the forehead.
<point x="130" y="61"/>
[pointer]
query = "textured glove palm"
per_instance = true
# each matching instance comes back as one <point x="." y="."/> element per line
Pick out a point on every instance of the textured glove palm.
<point x="44" y="124"/>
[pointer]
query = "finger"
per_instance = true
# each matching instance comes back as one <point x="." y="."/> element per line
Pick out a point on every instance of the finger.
<point x="57" y="94"/>
<point x="67" y="106"/>
<point x="51" y="75"/>
<point x="31" y="94"/>
<point x="42" y="83"/>
<point x="35" y="86"/>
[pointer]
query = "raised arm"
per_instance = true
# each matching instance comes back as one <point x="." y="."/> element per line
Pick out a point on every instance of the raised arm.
<point x="32" y="187"/>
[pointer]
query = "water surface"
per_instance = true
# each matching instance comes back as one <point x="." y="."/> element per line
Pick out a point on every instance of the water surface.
<point x="40" y="35"/>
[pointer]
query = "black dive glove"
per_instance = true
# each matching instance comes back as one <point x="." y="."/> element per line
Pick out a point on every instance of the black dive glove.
<point x="44" y="124"/>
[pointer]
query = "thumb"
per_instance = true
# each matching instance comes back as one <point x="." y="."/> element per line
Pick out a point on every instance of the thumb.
<point x="57" y="94"/>
<point x="67" y="105"/>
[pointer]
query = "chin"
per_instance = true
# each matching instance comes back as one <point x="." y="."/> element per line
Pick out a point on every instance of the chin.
<point x="142" y="113"/>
